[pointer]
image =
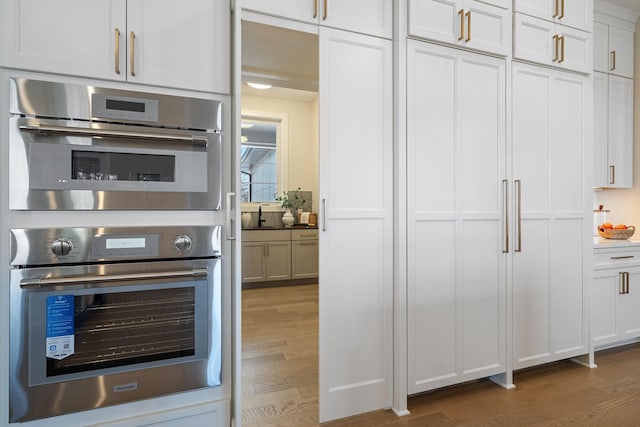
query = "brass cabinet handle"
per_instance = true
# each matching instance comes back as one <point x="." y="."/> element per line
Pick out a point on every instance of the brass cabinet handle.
<point x="315" y="9"/>
<point x="561" y="38"/>
<point x="132" y="54"/>
<point x="612" y="174"/>
<point x="622" y="287"/>
<point x="627" y="282"/>
<point x="461" y="14"/>
<point x="622" y="257"/>
<point x="468" y="15"/>
<point x="326" y="7"/>
<point x="613" y="60"/>
<point x="117" y="51"/>
<point x="505" y="190"/>
<point x="555" y="43"/>
<point x="561" y="9"/>
<point x="519" y="215"/>
<point x="308" y="243"/>
<point x="555" y="15"/>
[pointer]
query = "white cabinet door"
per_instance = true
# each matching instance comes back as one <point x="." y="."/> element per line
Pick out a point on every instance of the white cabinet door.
<point x="373" y="17"/>
<point x="179" y="44"/>
<point x="620" y="53"/>
<point x="472" y="24"/>
<point x="552" y="227"/>
<point x="620" y="132"/>
<point x="299" y="10"/>
<point x="603" y="307"/>
<point x="253" y="262"/>
<point x="304" y="259"/>
<point x="457" y="268"/>
<point x="356" y="223"/>
<point x="44" y="35"/>
<point x="601" y="170"/>
<point x="600" y="47"/>
<point x="573" y="13"/>
<point x="278" y="260"/>
<point x="551" y="44"/>
<point x="628" y="303"/>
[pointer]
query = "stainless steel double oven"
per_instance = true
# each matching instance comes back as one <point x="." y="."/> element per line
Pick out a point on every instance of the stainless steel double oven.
<point x="104" y="314"/>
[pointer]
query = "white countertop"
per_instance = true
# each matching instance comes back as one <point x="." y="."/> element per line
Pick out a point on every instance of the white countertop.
<point x="599" y="242"/>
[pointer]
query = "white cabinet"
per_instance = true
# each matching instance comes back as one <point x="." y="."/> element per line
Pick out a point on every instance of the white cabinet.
<point x="457" y="273"/>
<point x="552" y="217"/>
<point x="613" y="50"/>
<point x="356" y="223"/>
<point x="615" y="296"/>
<point x="613" y="131"/>
<point x="266" y="255"/>
<point x="551" y="44"/>
<point x="157" y="42"/>
<point x="484" y="26"/>
<point x="373" y="17"/>
<point x="572" y="13"/>
<point x="304" y="254"/>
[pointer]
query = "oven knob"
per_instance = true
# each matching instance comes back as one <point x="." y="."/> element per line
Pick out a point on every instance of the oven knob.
<point x="182" y="243"/>
<point x="61" y="247"/>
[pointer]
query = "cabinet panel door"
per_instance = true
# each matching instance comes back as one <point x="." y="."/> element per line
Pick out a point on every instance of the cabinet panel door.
<point x="534" y="39"/>
<point x="304" y="259"/>
<point x="356" y="241"/>
<point x="373" y="17"/>
<point x="601" y="47"/>
<point x="620" y="42"/>
<point x="601" y="171"/>
<point x="278" y="260"/>
<point x="573" y="13"/>
<point x="300" y="10"/>
<point x="253" y="263"/>
<point x="169" y="44"/>
<point x="620" y="132"/>
<point x="45" y="36"/>
<point x="628" y="313"/>
<point x="436" y="20"/>
<point x="576" y="51"/>
<point x="488" y="28"/>
<point x="603" y="307"/>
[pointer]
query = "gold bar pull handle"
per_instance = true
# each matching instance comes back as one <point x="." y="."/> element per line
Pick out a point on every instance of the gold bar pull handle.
<point x="468" y="15"/>
<point x="461" y="14"/>
<point x="555" y="15"/>
<point x="117" y="51"/>
<point x="626" y="282"/>
<point x="561" y="38"/>
<point x="561" y="9"/>
<point x="315" y="9"/>
<point x="132" y="53"/>
<point x="518" y="215"/>
<point x="612" y="174"/>
<point x="555" y="47"/>
<point x="613" y="60"/>
<point x="326" y="7"/>
<point x="622" y="287"/>
<point x="505" y="209"/>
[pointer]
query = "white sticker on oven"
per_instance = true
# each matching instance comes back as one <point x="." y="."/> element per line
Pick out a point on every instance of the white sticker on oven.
<point x="60" y="326"/>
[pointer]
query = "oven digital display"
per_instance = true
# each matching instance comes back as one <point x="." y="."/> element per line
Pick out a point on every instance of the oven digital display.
<point x="126" y="243"/>
<point x="117" y="104"/>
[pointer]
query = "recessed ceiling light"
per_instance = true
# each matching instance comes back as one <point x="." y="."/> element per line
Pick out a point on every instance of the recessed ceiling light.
<point x="258" y="85"/>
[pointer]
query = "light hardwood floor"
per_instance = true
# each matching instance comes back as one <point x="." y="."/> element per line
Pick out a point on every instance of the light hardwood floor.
<point x="280" y="380"/>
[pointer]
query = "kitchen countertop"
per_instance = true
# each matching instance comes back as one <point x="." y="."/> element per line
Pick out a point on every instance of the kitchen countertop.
<point x="294" y="227"/>
<point x="599" y="242"/>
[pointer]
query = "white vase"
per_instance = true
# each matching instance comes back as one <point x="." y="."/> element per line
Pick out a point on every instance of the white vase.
<point x="246" y="219"/>
<point x="287" y="218"/>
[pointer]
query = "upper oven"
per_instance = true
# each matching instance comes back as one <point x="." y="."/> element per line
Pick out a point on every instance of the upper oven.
<point x="76" y="147"/>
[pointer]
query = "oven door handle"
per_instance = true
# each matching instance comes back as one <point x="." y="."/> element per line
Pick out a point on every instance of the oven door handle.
<point x="52" y="281"/>
<point x="76" y="131"/>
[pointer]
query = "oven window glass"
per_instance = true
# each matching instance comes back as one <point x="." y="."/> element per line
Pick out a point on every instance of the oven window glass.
<point x="120" y="329"/>
<point x="96" y="165"/>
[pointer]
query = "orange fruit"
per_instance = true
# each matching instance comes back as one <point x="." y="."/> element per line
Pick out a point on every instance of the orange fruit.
<point x="607" y="225"/>
<point x="620" y="227"/>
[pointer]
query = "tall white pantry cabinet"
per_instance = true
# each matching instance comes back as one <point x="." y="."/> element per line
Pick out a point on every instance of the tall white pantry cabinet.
<point x="498" y="201"/>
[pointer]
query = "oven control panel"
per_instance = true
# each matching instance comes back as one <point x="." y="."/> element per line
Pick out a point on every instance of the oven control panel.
<point x="79" y="245"/>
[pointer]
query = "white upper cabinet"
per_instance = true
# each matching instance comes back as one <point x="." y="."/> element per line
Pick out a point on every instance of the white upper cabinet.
<point x="547" y="43"/>
<point x="572" y="13"/>
<point x="483" y="26"/>
<point x="158" y="42"/>
<point x="613" y="50"/>
<point x="372" y="17"/>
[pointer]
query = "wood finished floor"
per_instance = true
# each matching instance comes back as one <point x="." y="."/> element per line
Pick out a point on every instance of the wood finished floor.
<point x="280" y="380"/>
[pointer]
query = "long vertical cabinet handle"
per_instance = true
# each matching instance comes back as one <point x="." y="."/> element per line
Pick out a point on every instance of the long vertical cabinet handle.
<point x="324" y="214"/>
<point x="117" y="51"/>
<point x="505" y="209"/>
<point x="132" y="53"/>
<point x="621" y="289"/>
<point x="518" y="185"/>
<point x="613" y="60"/>
<point x="461" y="14"/>
<point x="561" y="9"/>
<point x="561" y="38"/>
<point x="626" y="289"/>
<point x="315" y="9"/>
<point x="555" y="15"/>
<point x="555" y="47"/>
<point x="612" y="174"/>
<point x="468" y="15"/>
<point x="230" y="230"/>
<point x="326" y="7"/>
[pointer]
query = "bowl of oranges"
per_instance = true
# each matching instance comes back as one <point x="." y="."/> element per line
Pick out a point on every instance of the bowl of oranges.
<point x="618" y="232"/>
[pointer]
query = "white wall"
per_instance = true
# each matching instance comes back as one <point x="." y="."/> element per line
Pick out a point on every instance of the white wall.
<point x="302" y="168"/>
<point x="625" y="203"/>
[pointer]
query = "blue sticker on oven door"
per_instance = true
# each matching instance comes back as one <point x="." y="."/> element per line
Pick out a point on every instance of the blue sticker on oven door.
<point x="60" y="326"/>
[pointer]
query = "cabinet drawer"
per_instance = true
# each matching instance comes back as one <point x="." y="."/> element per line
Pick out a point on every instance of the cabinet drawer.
<point x="616" y="258"/>
<point x="304" y="234"/>
<point x="265" y="235"/>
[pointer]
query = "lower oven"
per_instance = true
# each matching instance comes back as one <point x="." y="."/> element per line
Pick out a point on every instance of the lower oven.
<point x="107" y="316"/>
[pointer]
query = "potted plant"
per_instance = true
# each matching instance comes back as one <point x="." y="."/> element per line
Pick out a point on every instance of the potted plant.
<point x="289" y="201"/>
